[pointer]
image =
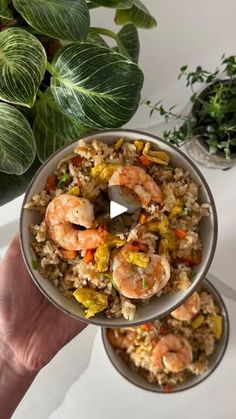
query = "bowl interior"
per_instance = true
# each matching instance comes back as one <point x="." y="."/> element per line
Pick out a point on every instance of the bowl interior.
<point x="157" y="307"/>
<point x="214" y="360"/>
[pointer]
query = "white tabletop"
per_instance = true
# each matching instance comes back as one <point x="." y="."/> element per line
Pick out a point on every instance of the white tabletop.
<point x="80" y="382"/>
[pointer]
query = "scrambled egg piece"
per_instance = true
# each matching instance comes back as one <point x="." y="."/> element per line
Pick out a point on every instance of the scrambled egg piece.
<point x="102" y="256"/>
<point x="104" y="171"/>
<point x="93" y="300"/>
<point x="159" y="157"/>
<point x="176" y="210"/>
<point x="136" y="258"/>
<point x="216" y="325"/>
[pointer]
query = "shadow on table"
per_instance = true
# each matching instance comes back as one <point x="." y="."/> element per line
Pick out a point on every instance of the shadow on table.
<point x="50" y="387"/>
<point x="7" y="233"/>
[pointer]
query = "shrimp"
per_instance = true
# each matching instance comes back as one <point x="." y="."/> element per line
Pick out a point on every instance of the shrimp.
<point x="64" y="211"/>
<point x="121" y="340"/>
<point x="136" y="282"/>
<point x="139" y="181"/>
<point x="172" y="351"/>
<point x="188" y="309"/>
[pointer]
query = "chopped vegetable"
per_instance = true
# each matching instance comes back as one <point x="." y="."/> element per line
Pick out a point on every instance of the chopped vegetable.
<point x="114" y="241"/>
<point x="216" y="321"/>
<point x="144" y="160"/>
<point x="69" y="254"/>
<point x="143" y="219"/>
<point x="197" y="322"/>
<point x="119" y="143"/>
<point x="93" y="300"/>
<point x="102" y="256"/>
<point x="193" y="259"/>
<point x="144" y="283"/>
<point x="34" y="264"/>
<point x="136" y="258"/>
<point x="50" y="184"/>
<point x="176" y="210"/>
<point x="168" y="388"/>
<point x="146" y="326"/>
<point x="181" y="234"/>
<point x="63" y="180"/>
<point x="108" y="275"/>
<point x="89" y="255"/>
<point x="104" y="171"/>
<point x="77" y="161"/>
<point x="159" y="157"/>
<point x="74" y="191"/>
<point x="139" y="145"/>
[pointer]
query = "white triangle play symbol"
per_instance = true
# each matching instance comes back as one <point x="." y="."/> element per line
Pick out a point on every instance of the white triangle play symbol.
<point x="116" y="209"/>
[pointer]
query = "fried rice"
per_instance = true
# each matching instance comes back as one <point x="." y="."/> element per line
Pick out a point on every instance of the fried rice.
<point x="170" y="228"/>
<point x="136" y="345"/>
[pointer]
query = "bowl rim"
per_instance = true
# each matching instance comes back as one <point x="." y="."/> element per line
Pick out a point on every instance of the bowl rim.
<point x="122" y="323"/>
<point x="201" y="380"/>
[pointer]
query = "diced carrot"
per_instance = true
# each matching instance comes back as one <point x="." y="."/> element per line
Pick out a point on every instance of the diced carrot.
<point x="181" y="234"/>
<point x="69" y="254"/>
<point x="143" y="219"/>
<point x="50" y="184"/>
<point x="144" y="160"/>
<point x="89" y="255"/>
<point x="77" y="161"/>
<point x="168" y="388"/>
<point x="193" y="259"/>
<point x="147" y="326"/>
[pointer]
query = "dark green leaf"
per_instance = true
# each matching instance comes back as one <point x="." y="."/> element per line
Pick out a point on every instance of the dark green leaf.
<point x="17" y="144"/>
<point x="138" y="14"/>
<point x="61" y="19"/>
<point x="22" y="66"/>
<point x="95" y="38"/>
<point x="52" y="128"/>
<point x="12" y="186"/>
<point x="183" y="68"/>
<point x="5" y="12"/>
<point x="128" y="41"/>
<point x="97" y="86"/>
<point x="115" y="4"/>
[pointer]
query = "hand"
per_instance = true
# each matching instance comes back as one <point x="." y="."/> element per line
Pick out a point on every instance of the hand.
<point x="30" y="326"/>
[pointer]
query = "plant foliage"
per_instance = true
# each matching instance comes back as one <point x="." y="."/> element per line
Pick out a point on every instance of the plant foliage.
<point x="60" y="78"/>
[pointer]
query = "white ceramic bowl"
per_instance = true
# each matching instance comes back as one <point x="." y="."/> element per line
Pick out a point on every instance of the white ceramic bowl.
<point x="215" y="358"/>
<point x="158" y="307"/>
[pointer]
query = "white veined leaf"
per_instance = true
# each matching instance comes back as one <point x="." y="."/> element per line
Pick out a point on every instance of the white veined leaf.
<point x="22" y="66"/>
<point x="138" y="14"/>
<point x="62" y="19"/>
<point x="128" y="42"/>
<point x="52" y="128"/>
<point x="5" y="12"/>
<point x="96" y="85"/>
<point x="115" y="4"/>
<point x="17" y="144"/>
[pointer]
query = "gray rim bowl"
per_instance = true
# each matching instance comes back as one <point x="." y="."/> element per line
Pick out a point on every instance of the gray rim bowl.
<point x="215" y="358"/>
<point x="158" y="307"/>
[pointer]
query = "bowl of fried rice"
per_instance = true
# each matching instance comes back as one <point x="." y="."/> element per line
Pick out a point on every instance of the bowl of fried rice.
<point x="125" y="270"/>
<point x="176" y="352"/>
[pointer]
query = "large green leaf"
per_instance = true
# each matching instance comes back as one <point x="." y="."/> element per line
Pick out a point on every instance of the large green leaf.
<point x="62" y="19"/>
<point x="52" y="128"/>
<point x="22" y="66"/>
<point x="5" y="12"/>
<point x="115" y="4"/>
<point x="138" y="14"/>
<point x="17" y="144"/>
<point x="12" y="186"/>
<point x="128" y="41"/>
<point x="96" y="85"/>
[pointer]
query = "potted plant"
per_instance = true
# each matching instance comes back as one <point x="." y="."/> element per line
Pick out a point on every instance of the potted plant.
<point x="208" y="130"/>
<point x="59" y="78"/>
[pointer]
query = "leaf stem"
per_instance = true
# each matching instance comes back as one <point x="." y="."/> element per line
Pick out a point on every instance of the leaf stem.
<point x="39" y="93"/>
<point x="50" y="68"/>
<point x="103" y="31"/>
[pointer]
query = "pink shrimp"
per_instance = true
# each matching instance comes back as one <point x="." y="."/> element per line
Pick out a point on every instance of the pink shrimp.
<point x="174" y="352"/>
<point x="139" y="181"/>
<point x="64" y="211"/>
<point x="188" y="309"/>
<point x="120" y="339"/>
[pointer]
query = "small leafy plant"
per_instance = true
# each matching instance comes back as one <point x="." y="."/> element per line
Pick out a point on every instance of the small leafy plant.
<point x="213" y="115"/>
<point x="59" y="78"/>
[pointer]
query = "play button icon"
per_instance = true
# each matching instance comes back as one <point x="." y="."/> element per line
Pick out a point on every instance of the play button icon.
<point x="116" y="209"/>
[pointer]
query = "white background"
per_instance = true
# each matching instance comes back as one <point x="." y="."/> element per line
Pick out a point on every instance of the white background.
<point x="80" y="382"/>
